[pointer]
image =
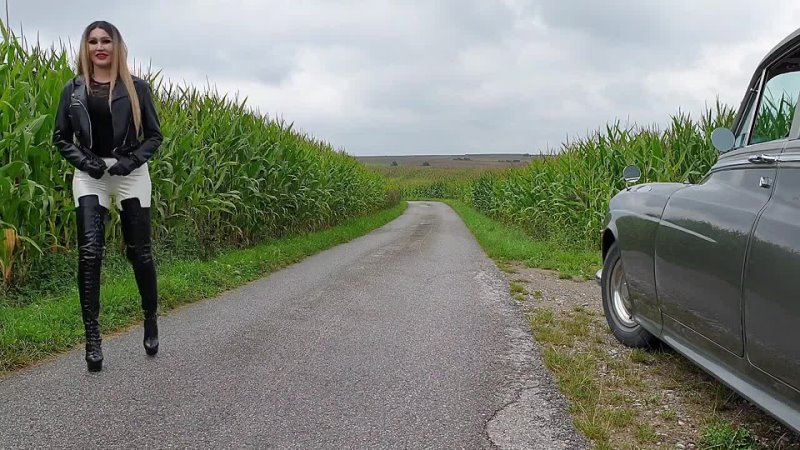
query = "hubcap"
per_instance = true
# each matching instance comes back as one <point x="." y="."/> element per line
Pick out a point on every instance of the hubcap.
<point x="619" y="295"/>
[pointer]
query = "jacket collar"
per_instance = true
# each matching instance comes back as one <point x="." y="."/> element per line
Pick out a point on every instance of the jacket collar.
<point x="119" y="91"/>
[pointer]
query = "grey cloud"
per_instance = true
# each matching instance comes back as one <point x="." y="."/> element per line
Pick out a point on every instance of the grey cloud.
<point x="650" y="22"/>
<point x="650" y="34"/>
<point x="448" y="76"/>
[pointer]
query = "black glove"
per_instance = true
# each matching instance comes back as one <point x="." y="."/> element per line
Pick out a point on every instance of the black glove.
<point x="94" y="167"/>
<point x="124" y="166"/>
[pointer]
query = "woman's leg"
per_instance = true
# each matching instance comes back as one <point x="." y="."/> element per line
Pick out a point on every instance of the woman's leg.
<point x="92" y="201"/>
<point x="133" y="194"/>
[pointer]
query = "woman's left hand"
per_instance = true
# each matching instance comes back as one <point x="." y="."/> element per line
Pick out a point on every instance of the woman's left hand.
<point x="124" y="166"/>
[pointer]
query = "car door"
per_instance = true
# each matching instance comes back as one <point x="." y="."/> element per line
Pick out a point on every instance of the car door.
<point x="701" y="246"/>
<point x="705" y="230"/>
<point x="771" y="284"/>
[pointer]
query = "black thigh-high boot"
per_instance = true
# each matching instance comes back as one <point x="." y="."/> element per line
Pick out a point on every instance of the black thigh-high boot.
<point x="136" y="229"/>
<point x="91" y="244"/>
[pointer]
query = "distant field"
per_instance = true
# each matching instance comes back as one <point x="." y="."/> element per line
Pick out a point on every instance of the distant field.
<point x="486" y="160"/>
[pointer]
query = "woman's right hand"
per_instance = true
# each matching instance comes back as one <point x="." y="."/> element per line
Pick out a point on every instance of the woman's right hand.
<point x="94" y="167"/>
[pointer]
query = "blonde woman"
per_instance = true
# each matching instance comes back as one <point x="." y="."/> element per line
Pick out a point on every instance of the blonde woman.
<point x="106" y="126"/>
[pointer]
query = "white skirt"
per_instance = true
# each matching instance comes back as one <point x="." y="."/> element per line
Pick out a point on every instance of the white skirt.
<point x="134" y="185"/>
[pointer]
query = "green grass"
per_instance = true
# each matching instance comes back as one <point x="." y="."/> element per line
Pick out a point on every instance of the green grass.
<point x="48" y="325"/>
<point x="669" y="415"/>
<point x="724" y="436"/>
<point x="517" y="291"/>
<point x="507" y="243"/>
<point x="645" y="434"/>
<point x="517" y="288"/>
<point x="432" y="182"/>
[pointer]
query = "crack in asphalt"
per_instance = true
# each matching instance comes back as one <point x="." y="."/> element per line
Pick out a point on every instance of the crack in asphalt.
<point x="533" y="415"/>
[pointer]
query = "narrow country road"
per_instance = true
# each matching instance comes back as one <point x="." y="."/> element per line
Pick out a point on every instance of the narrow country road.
<point x="405" y="338"/>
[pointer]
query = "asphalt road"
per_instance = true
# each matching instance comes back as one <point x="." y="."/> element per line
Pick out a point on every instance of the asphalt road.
<point x="404" y="338"/>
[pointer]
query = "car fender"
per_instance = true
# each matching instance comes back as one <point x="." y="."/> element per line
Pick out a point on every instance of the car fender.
<point x="632" y="223"/>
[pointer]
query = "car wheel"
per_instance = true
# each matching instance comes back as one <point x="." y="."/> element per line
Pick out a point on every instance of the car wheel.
<point x="617" y="304"/>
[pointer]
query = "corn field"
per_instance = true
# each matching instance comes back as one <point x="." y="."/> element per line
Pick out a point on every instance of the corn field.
<point x="432" y="182"/>
<point x="565" y="196"/>
<point x="223" y="175"/>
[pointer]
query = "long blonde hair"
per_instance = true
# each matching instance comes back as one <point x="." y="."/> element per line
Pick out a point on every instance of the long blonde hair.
<point x="119" y="66"/>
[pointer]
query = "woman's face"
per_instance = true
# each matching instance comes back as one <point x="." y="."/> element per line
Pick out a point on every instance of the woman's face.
<point x="101" y="48"/>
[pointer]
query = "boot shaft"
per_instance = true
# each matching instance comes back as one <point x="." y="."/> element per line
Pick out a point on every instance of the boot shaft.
<point x="91" y="217"/>
<point x="137" y="231"/>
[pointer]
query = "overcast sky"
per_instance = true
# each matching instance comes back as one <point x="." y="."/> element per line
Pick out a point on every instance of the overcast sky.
<point x="444" y="76"/>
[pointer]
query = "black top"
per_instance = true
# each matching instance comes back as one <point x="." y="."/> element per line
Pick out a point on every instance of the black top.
<point x="100" y="116"/>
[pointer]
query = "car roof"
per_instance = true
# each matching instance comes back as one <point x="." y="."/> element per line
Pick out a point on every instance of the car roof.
<point x="788" y="41"/>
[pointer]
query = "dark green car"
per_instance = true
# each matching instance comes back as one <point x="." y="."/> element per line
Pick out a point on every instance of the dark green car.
<point x="713" y="269"/>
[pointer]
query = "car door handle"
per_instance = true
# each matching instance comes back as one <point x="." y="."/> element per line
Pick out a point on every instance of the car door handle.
<point x="762" y="159"/>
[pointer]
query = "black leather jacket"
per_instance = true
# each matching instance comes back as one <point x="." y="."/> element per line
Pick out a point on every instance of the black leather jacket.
<point x="72" y="121"/>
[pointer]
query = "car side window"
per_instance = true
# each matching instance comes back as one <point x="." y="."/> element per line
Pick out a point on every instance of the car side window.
<point x="778" y="103"/>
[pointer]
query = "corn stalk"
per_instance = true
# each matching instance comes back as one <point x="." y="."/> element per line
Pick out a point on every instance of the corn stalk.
<point x="224" y="175"/>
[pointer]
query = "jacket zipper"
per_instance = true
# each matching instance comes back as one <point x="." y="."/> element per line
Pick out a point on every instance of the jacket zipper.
<point x="89" y="119"/>
<point x="124" y="139"/>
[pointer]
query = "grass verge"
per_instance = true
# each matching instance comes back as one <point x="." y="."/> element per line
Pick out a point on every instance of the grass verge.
<point x="51" y="324"/>
<point x="619" y="398"/>
<point x="624" y="398"/>
<point x="506" y="243"/>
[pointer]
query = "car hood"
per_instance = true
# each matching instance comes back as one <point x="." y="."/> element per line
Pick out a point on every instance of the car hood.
<point x="656" y="188"/>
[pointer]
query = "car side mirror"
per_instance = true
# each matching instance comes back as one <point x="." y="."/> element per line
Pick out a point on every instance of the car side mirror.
<point x="631" y="174"/>
<point x="723" y="139"/>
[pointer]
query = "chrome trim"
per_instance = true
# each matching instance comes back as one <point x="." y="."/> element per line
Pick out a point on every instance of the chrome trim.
<point x="762" y="159"/>
<point x="620" y="299"/>
<point x="789" y="157"/>
<point x="687" y="231"/>
<point x="757" y="100"/>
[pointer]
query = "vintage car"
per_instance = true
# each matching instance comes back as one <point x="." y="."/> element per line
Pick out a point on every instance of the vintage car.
<point x="713" y="269"/>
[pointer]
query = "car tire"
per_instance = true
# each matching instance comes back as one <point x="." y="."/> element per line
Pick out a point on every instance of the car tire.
<point x="617" y="306"/>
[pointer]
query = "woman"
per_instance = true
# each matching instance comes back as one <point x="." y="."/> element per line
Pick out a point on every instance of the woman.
<point x="106" y="126"/>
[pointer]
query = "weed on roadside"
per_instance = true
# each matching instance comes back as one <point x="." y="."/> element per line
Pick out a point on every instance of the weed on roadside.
<point x="623" y="398"/>
<point x="723" y="435"/>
